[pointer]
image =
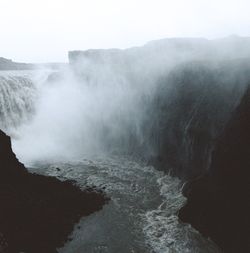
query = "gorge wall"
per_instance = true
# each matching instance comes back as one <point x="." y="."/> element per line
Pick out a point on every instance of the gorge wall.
<point x="171" y="103"/>
<point x="181" y="94"/>
<point x="195" y="125"/>
<point x="218" y="203"/>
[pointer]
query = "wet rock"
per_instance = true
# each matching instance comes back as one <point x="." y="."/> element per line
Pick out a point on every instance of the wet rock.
<point x="190" y="110"/>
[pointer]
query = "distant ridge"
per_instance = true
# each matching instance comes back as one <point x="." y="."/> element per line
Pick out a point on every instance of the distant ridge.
<point x="229" y="47"/>
<point x="7" y="64"/>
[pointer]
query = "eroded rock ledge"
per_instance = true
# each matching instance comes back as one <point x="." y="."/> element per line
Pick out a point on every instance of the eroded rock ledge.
<point x="38" y="213"/>
<point x="218" y="203"/>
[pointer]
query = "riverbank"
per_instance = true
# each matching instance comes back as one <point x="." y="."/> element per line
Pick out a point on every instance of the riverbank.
<point x="38" y="213"/>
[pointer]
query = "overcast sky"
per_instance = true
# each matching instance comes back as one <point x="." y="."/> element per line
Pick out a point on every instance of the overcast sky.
<point x="45" y="30"/>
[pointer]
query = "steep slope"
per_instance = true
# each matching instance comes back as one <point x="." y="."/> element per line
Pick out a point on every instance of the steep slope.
<point x="189" y="111"/>
<point x="218" y="204"/>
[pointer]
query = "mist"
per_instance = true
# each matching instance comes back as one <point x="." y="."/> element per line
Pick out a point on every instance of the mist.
<point x="124" y="126"/>
<point x="104" y="101"/>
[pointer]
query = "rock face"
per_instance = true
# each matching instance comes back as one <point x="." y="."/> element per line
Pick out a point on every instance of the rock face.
<point x="218" y="204"/>
<point x="38" y="213"/>
<point x="190" y="110"/>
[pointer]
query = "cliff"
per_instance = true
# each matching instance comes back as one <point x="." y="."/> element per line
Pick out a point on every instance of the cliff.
<point x="218" y="203"/>
<point x="38" y="213"/>
<point x="190" y="110"/>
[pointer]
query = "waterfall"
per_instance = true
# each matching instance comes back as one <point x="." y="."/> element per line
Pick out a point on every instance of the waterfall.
<point x="167" y="108"/>
<point x="17" y="100"/>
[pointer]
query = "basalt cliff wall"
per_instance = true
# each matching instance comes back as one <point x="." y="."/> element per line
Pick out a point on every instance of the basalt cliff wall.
<point x="218" y="203"/>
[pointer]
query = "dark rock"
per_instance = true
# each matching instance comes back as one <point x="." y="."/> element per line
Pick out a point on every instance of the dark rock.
<point x="218" y="203"/>
<point x="37" y="212"/>
<point x="190" y="110"/>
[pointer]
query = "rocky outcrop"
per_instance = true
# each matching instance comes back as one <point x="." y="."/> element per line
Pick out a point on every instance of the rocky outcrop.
<point x="218" y="204"/>
<point x="37" y="212"/>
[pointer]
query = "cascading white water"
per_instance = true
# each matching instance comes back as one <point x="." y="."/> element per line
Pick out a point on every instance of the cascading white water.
<point x="100" y="110"/>
<point x="17" y="100"/>
<point x="67" y="114"/>
<point x="143" y="203"/>
<point x="101" y="103"/>
<point x="142" y="214"/>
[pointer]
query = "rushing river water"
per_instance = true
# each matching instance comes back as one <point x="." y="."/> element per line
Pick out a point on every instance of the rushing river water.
<point x="141" y="216"/>
<point x="47" y="120"/>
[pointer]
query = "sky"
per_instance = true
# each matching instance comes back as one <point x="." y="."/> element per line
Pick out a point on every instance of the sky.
<point x="45" y="30"/>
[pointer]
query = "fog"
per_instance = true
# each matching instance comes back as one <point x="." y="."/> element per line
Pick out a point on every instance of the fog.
<point x="43" y="31"/>
<point x="105" y="101"/>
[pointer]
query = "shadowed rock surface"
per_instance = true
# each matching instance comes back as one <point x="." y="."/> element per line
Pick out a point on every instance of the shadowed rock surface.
<point x="190" y="110"/>
<point x="38" y="213"/>
<point x="218" y="203"/>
